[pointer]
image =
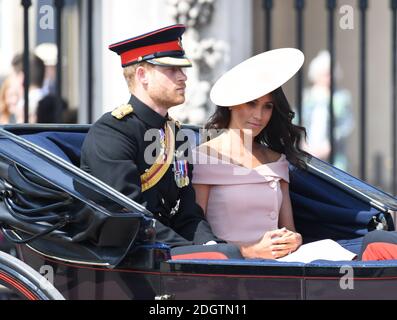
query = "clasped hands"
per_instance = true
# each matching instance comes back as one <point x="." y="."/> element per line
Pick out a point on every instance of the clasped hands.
<point x="273" y="245"/>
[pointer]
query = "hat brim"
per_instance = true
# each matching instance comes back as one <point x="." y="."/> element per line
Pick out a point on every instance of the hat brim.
<point x="183" y="62"/>
<point x="256" y="77"/>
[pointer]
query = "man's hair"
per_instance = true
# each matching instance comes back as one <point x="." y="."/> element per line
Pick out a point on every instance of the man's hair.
<point x="129" y="73"/>
<point x="36" y="68"/>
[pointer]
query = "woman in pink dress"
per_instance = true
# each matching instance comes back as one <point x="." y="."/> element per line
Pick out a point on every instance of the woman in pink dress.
<point x="241" y="176"/>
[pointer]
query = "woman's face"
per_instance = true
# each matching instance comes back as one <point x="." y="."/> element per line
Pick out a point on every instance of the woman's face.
<point x="252" y="116"/>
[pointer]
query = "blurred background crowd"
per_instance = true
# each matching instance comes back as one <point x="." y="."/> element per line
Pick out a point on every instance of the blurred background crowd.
<point x="42" y="93"/>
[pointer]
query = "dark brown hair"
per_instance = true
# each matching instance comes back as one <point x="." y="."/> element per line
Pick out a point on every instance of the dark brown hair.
<point x="36" y="68"/>
<point x="280" y="135"/>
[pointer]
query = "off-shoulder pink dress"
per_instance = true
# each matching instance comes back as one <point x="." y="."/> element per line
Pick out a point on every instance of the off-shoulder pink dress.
<point x="243" y="203"/>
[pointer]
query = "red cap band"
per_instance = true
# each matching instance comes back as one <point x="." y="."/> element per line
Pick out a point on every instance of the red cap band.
<point x="134" y="54"/>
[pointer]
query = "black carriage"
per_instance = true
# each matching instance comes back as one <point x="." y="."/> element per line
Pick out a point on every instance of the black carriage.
<point x="98" y="244"/>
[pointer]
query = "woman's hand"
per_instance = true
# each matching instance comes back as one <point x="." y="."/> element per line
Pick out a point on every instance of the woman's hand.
<point x="287" y="243"/>
<point x="274" y="244"/>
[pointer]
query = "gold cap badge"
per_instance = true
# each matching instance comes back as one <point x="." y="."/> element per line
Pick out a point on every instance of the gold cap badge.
<point x="122" y="111"/>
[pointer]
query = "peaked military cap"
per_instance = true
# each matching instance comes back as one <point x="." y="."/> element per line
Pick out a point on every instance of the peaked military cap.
<point x="160" y="47"/>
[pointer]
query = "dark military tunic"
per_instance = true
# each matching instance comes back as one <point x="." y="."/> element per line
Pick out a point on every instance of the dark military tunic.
<point x="114" y="152"/>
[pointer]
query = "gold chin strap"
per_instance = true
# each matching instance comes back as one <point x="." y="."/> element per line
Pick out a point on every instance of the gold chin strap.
<point x="152" y="176"/>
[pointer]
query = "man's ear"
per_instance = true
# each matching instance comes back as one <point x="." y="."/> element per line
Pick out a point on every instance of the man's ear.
<point x="141" y="75"/>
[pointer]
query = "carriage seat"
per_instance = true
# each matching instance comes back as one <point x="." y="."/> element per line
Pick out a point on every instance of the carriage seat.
<point x="66" y="145"/>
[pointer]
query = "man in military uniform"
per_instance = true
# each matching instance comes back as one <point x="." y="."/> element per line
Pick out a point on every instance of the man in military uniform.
<point x="118" y="146"/>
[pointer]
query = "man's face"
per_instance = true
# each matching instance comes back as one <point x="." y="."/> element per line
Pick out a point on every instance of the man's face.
<point x="166" y="85"/>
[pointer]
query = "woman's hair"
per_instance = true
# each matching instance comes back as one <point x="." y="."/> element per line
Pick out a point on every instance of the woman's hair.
<point x="280" y="135"/>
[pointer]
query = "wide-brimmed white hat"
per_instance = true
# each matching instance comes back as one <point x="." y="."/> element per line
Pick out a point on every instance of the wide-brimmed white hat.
<point x="257" y="77"/>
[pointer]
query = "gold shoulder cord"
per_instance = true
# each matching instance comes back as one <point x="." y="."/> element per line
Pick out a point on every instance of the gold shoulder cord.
<point x="122" y="111"/>
<point x="150" y="178"/>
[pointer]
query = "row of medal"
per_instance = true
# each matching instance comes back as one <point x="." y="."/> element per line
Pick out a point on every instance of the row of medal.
<point x="181" y="169"/>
